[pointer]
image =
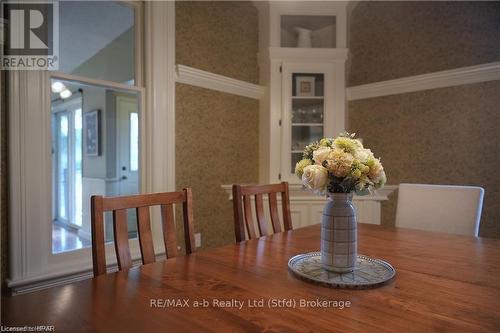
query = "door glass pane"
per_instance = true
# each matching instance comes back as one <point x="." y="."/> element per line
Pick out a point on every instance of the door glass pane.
<point x="295" y="158"/>
<point x="96" y="149"/>
<point x="307" y="112"/>
<point x="97" y="40"/>
<point x="62" y="174"/>
<point x="134" y="141"/>
<point x="304" y="135"/>
<point x="78" y="166"/>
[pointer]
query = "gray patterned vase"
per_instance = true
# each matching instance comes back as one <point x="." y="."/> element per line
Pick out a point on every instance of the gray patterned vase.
<point x="339" y="234"/>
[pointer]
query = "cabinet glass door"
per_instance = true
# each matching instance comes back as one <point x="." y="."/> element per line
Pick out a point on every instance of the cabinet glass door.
<point x="307" y="112"/>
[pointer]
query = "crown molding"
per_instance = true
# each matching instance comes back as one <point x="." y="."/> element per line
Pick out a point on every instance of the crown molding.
<point x="203" y="79"/>
<point x="455" y="77"/>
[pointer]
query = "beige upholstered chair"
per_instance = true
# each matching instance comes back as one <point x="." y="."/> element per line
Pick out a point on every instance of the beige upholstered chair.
<point x="443" y="208"/>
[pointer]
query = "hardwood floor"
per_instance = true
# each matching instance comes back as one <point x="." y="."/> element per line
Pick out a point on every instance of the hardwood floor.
<point x="64" y="239"/>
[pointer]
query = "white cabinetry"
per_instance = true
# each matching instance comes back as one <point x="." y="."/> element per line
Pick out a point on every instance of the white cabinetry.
<point x="307" y="208"/>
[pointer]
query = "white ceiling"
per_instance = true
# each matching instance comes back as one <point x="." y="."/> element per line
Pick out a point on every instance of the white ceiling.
<point x="85" y="27"/>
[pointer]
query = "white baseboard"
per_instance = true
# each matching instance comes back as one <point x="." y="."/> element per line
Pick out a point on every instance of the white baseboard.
<point x="51" y="281"/>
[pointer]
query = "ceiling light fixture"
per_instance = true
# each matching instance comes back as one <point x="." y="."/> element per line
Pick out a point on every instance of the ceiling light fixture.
<point x="66" y="93"/>
<point x="58" y="86"/>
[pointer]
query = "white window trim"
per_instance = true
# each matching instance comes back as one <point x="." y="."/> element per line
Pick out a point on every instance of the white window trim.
<point x="32" y="264"/>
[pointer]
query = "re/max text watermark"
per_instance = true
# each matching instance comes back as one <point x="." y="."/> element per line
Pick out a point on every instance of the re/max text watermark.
<point x="239" y="304"/>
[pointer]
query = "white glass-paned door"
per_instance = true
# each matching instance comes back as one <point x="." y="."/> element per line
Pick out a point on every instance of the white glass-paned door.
<point x="95" y="149"/>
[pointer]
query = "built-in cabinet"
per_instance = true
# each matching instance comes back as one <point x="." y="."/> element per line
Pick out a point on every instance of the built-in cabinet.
<point x="302" y="63"/>
<point x="302" y="57"/>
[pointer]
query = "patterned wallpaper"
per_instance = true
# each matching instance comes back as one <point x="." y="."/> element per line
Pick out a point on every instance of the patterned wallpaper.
<point x="219" y="37"/>
<point x="216" y="143"/>
<point x="217" y="134"/>
<point x="441" y="136"/>
<point x="389" y="40"/>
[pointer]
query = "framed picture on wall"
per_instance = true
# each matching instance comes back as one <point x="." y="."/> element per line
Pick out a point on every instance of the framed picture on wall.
<point x="305" y="85"/>
<point x="91" y="127"/>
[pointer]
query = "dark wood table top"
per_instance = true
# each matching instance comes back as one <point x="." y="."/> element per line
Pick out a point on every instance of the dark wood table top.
<point x="444" y="283"/>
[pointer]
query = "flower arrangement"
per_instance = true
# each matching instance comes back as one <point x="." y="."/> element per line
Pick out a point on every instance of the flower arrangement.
<point x="340" y="165"/>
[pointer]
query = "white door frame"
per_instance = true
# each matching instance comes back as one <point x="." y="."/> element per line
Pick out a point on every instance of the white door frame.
<point x="32" y="264"/>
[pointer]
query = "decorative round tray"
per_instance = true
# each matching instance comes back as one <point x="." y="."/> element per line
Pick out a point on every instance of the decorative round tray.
<point x="369" y="272"/>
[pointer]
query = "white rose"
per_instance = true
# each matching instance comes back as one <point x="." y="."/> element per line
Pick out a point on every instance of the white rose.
<point x="321" y="154"/>
<point x="315" y="177"/>
<point x="363" y="154"/>
<point x="381" y="181"/>
<point x="376" y="172"/>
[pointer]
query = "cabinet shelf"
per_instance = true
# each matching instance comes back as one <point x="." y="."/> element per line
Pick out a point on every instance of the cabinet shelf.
<point x="308" y="97"/>
<point x="307" y="124"/>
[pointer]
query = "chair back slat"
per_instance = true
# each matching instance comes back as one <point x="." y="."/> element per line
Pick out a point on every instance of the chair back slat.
<point x="167" y="217"/>
<point x="242" y="195"/>
<point x="273" y="210"/>
<point x="187" y="208"/>
<point x="98" y="248"/>
<point x="141" y="204"/>
<point x="121" y="239"/>
<point x="285" y="203"/>
<point x="145" y="236"/>
<point x="239" y="225"/>
<point x="261" y="219"/>
<point x="248" y="217"/>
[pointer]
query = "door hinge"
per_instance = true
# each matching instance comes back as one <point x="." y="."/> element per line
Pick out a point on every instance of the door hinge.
<point x="279" y="122"/>
<point x="281" y="69"/>
<point x="279" y="176"/>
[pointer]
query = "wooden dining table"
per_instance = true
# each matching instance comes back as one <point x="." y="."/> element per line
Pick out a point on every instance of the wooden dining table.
<point x="443" y="283"/>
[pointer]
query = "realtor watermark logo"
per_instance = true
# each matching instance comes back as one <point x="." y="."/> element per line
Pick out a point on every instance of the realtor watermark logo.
<point x="30" y="35"/>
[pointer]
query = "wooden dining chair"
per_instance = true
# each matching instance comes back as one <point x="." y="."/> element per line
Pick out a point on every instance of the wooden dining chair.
<point x="243" y="215"/>
<point x="141" y="203"/>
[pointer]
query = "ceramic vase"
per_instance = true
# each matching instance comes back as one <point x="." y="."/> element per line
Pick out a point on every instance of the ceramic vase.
<point x="339" y="234"/>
